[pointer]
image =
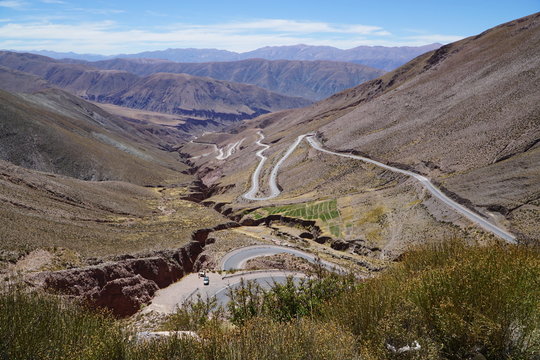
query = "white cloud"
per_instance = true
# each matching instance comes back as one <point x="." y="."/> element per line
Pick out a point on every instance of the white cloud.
<point x="53" y="1"/>
<point x="287" y="26"/>
<point x="12" y="4"/>
<point x="108" y="38"/>
<point x="99" y="11"/>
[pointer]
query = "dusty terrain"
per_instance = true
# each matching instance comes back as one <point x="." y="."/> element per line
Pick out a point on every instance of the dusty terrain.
<point x="282" y="262"/>
<point x="477" y="97"/>
<point x="92" y="219"/>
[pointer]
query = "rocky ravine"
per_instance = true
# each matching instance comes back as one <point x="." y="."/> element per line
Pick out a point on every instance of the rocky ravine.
<point x="124" y="286"/>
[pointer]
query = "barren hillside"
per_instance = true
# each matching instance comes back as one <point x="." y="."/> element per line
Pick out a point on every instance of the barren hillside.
<point x="466" y="115"/>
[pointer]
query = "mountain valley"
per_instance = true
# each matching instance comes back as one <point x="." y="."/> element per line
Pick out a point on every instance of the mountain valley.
<point x="155" y="209"/>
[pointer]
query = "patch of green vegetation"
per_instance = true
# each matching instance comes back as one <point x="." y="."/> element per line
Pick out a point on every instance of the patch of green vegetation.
<point x="323" y="210"/>
<point x="414" y="202"/>
<point x="374" y="235"/>
<point x="326" y="212"/>
<point x="334" y="229"/>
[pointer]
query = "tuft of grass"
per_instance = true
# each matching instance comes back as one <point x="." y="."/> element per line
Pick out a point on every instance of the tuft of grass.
<point x="36" y="326"/>
<point x="455" y="300"/>
<point x="376" y="215"/>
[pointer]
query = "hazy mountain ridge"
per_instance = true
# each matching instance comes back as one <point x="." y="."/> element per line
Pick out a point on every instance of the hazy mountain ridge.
<point x="380" y="57"/>
<point x="313" y="80"/>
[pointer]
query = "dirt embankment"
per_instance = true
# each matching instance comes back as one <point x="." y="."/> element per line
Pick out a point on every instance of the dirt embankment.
<point x="123" y="286"/>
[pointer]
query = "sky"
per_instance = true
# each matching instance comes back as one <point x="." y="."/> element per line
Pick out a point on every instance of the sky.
<point x="116" y="26"/>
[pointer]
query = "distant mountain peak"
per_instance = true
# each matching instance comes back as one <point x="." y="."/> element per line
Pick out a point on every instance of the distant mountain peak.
<point x="380" y="57"/>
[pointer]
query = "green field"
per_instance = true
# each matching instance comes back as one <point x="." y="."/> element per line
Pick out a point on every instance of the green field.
<point x="324" y="212"/>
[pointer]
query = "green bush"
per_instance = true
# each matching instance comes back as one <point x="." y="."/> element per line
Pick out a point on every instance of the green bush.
<point x="455" y="300"/>
<point x="287" y="301"/>
<point x="36" y="326"/>
<point x="194" y="315"/>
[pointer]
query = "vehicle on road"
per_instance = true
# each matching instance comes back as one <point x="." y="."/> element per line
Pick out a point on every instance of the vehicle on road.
<point x="206" y="280"/>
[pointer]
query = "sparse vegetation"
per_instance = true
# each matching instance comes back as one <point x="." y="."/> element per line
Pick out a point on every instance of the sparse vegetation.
<point x="36" y="326"/>
<point x="456" y="301"/>
<point x="325" y="212"/>
<point x="94" y="219"/>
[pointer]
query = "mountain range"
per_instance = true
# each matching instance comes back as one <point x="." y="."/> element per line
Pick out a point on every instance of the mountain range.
<point x="380" y="57"/>
<point x="118" y="178"/>
<point x="196" y="98"/>
<point x="313" y="80"/>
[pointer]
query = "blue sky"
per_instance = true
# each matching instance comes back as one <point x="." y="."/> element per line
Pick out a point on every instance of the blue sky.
<point x="117" y="26"/>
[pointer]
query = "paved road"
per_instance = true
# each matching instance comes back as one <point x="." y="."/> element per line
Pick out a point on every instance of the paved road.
<point x="237" y="259"/>
<point x="228" y="150"/>
<point x="431" y="188"/>
<point x="252" y="192"/>
<point x="272" y="179"/>
<point x="222" y="153"/>
<point x="168" y="299"/>
<point x="426" y="183"/>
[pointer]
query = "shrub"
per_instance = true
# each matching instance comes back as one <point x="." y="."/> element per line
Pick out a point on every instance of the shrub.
<point x="290" y="300"/>
<point x="455" y="300"/>
<point x="193" y="315"/>
<point x="37" y="326"/>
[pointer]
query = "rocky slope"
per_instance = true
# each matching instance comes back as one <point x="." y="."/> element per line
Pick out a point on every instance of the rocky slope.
<point x="466" y="115"/>
<point x="57" y="132"/>
<point x="18" y="81"/>
<point x="312" y="80"/>
<point x="124" y="286"/>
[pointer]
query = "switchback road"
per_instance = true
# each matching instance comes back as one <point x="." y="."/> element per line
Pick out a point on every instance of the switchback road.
<point x="425" y="182"/>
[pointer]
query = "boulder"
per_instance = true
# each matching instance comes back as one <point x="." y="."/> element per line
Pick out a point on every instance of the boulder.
<point x="339" y="245"/>
<point x="323" y="239"/>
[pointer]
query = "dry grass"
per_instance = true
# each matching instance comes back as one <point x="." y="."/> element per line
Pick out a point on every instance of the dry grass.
<point x="455" y="300"/>
<point x="93" y="218"/>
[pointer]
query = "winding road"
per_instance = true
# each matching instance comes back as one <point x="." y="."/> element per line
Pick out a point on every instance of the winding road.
<point x="425" y="182"/>
<point x="237" y="259"/>
<point x="272" y="180"/>
<point x="169" y="298"/>
<point x="228" y="150"/>
<point x="222" y="153"/>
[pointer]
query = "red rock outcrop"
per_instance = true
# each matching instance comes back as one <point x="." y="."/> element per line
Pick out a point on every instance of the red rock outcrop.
<point x="124" y="286"/>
